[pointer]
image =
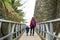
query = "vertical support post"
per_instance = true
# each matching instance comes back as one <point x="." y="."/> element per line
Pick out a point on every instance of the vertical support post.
<point x="47" y="35"/>
<point x="39" y="28"/>
<point x="12" y="30"/>
<point x="51" y="30"/>
<point x="58" y="36"/>
<point x="43" y="30"/>
<point x="20" y="28"/>
<point x="16" y="30"/>
<point x="9" y="31"/>
<point x="0" y="24"/>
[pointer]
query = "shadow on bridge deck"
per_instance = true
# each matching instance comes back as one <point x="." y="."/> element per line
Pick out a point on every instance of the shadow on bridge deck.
<point x="35" y="37"/>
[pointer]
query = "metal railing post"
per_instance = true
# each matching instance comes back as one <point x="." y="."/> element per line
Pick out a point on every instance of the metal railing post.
<point x="20" y="28"/>
<point x="51" y="31"/>
<point x="16" y="29"/>
<point x="47" y="35"/>
<point x="9" y="31"/>
<point x="43" y="30"/>
<point x="59" y="36"/>
<point x="12" y="30"/>
<point x="39" y="28"/>
<point x="0" y="24"/>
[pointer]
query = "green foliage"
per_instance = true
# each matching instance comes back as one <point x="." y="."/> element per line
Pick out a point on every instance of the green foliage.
<point x="9" y="1"/>
<point x="14" y="14"/>
<point x="21" y="14"/>
<point x="15" y="4"/>
<point x="12" y="1"/>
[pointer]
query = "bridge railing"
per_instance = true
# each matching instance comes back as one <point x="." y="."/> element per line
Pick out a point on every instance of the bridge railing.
<point x="46" y="29"/>
<point x="15" y="29"/>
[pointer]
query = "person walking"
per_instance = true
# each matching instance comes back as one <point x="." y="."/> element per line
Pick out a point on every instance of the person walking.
<point x="27" y="30"/>
<point x="32" y="26"/>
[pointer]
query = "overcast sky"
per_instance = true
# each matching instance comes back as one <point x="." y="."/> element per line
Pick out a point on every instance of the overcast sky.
<point x="28" y="9"/>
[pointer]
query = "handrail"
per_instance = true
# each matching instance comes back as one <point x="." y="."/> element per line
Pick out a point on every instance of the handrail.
<point x="46" y="29"/>
<point x="1" y="20"/>
<point x="55" y="20"/>
<point x="16" y="26"/>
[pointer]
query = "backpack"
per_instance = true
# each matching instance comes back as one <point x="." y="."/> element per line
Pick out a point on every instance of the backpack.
<point x="32" y="22"/>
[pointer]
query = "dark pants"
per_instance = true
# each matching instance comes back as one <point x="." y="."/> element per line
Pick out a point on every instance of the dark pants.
<point x="27" y="30"/>
<point x="32" y="30"/>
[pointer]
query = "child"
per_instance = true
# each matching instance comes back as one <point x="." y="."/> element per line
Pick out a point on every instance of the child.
<point x="27" y="30"/>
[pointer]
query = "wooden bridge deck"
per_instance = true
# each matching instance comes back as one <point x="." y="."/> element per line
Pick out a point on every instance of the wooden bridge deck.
<point x="35" y="37"/>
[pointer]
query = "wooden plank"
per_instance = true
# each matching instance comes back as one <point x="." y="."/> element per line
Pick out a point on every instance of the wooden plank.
<point x="35" y="37"/>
